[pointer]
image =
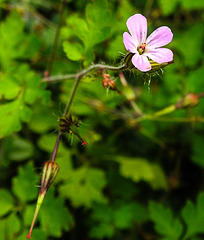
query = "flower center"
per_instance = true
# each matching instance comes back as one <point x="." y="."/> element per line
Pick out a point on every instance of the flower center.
<point x="141" y="48"/>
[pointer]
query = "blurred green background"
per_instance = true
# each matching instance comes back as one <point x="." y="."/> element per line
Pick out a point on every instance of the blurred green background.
<point x="134" y="180"/>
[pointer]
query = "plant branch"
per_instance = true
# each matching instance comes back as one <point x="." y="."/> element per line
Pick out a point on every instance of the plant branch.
<point x="84" y="72"/>
<point x="78" y="77"/>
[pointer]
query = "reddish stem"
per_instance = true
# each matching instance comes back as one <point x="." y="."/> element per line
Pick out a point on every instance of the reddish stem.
<point x="56" y="146"/>
<point x="200" y="95"/>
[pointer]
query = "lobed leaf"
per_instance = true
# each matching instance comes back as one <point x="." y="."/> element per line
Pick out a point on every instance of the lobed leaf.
<point x="165" y="224"/>
<point x="88" y="183"/>
<point x="54" y="216"/>
<point x="24" y="184"/>
<point x="193" y="215"/>
<point x="140" y="169"/>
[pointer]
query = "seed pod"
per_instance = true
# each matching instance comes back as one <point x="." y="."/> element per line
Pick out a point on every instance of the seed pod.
<point x="49" y="173"/>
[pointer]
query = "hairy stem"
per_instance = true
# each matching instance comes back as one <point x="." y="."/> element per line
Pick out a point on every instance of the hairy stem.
<point x="84" y="72"/>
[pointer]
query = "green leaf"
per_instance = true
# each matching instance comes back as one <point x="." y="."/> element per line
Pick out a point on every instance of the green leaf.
<point x="28" y="214"/>
<point x="14" y="112"/>
<point x="84" y="186"/>
<point x="74" y="51"/>
<point x="21" y="149"/>
<point x="103" y="230"/>
<point x="9" y="89"/>
<point x="107" y="219"/>
<point x="102" y="221"/>
<point x="192" y="5"/>
<point x="6" y="202"/>
<point x="9" y="227"/>
<point x="193" y="55"/>
<point x="168" y="7"/>
<point x="98" y="13"/>
<point x="12" y="36"/>
<point x="32" y="86"/>
<point x="24" y="185"/>
<point x="54" y="216"/>
<point x="193" y="216"/>
<point x="140" y="169"/>
<point x="165" y="224"/>
<point x="91" y="31"/>
<point x="11" y="115"/>
<point x="43" y="119"/>
<point x="194" y="81"/>
<point x="47" y="143"/>
<point x="125" y="215"/>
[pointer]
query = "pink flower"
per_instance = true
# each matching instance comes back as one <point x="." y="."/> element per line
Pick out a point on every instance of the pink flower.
<point x="143" y="47"/>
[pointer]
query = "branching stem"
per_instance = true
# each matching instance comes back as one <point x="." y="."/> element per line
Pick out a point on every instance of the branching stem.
<point x="84" y="72"/>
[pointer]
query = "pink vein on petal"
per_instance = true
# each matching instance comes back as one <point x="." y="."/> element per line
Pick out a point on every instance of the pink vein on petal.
<point x="160" y="37"/>
<point x="160" y="55"/>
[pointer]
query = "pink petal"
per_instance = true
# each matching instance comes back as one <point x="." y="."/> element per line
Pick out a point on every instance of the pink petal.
<point x="137" y="26"/>
<point x="141" y="62"/>
<point x="160" y="37"/>
<point x="129" y="42"/>
<point x="160" y="55"/>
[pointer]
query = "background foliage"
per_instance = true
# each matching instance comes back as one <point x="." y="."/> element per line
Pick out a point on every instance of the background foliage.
<point x="132" y="181"/>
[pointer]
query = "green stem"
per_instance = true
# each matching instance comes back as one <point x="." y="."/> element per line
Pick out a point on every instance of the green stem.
<point x="196" y="119"/>
<point x="69" y="103"/>
<point x="39" y="203"/>
<point x="53" y="53"/>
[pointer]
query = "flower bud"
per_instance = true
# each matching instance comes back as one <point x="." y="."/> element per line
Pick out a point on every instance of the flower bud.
<point x="109" y="83"/>
<point x="49" y="173"/>
<point x="190" y="100"/>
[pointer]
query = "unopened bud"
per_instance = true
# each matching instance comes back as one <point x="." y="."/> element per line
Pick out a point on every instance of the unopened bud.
<point x="190" y="100"/>
<point x="109" y="83"/>
<point x="49" y="173"/>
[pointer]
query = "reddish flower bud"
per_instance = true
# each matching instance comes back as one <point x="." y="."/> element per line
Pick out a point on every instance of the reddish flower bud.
<point x="109" y="83"/>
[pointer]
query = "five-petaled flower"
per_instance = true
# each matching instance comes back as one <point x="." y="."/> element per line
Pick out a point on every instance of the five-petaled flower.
<point x="147" y="48"/>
